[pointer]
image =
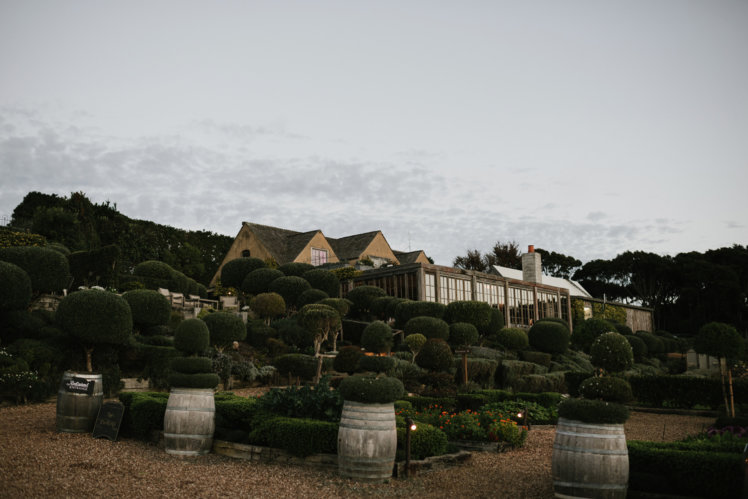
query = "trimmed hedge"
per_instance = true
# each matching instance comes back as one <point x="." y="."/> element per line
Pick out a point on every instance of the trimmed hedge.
<point x="462" y="334"/>
<point x="586" y="332"/>
<point x="425" y="441"/>
<point x="15" y="287"/>
<point x="593" y="411"/>
<point x="353" y="330"/>
<point x="235" y="271"/>
<point x="225" y="328"/>
<point x="347" y="359"/>
<point x="430" y="327"/>
<point x="148" y="307"/>
<point x="94" y="317"/>
<point x="300" y="437"/>
<point x="311" y="296"/>
<point x="192" y="336"/>
<point x="363" y="296"/>
<point x="144" y="413"/>
<point x="481" y="371"/>
<point x="194" y="380"/>
<point x="549" y="337"/>
<point x="375" y="363"/>
<point x="297" y="365"/>
<point x="371" y="390"/>
<point x="513" y="338"/>
<point x="612" y="352"/>
<point x="379" y="306"/>
<point x="154" y="274"/>
<point x="477" y="313"/>
<point x="268" y="305"/>
<point x="289" y="331"/>
<point x="191" y="365"/>
<point x="655" y="345"/>
<point x="295" y="268"/>
<point x="47" y="269"/>
<point x="340" y="304"/>
<point x="323" y="280"/>
<point x="435" y="355"/>
<point x="406" y="310"/>
<point x="540" y="358"/>
<point x="259" y="280"/>
<point x="684" y="391"/>
<point x="290" y="288"/>
<point x="638" y="347"/>
<point x="377" y="337"/>
<point x="608" y="388"/>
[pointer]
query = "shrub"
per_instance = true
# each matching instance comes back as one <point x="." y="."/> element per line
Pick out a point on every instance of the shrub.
<point x="310" y="296"/>
<point x="340" y="304"/>
<point x="549" y="337"/>
<point x="638" y="347"/>
<point x="682" y="391"/>
<point x="436" y="355"/>
<point x="537" y="414"/>
<point x="496" y="323"/>
<point x="194" y="380"/>
<point x="192" y="336"/>
<point x="655" y="345"/>
<point x="258" y="281"/>
<point x="538" y="383"/>
<point x="296" y="365"/>
<point x="557" y="320"/>
<point x="540" y="358"/>
<point x="612" y="352"/>
<point x="192" y="365"/>
<point x="347" y="359"/>
<point x="225" y="328"/>
<point x="462" y="334"/>
<point x="430" y="327"/>
<point x="608" y="388"/>
<point x="353" y="330"/>
<point x="406" y="310"/>
<point x="291" y="332"/>
<point x="415" y="342"/>
<point x="268" y="305"/>
<point x="379" y="306"/>
<point x="477" y="313"/>
<point x="623" y="329"/>
<point x="481" y="371"/>
<point x="148" y="307"/>
<point x="259" y="333"/>
<point x="513" y="338"/>
<point x="367" y="389"/>
<point x="377" y="337"/>
<point x="593" y="411"/>
<point x="425" y="441"/>
<point x="235" y="271"/>
<point x="47" y="269"/>
<point x="300" y="437"/>
<point x="719" y="340"/>
<point x="290" y="288"/>
<point x="15" y="287"/>
<point x="295" y="268"/>
<point x="362" y="298"/>
<point x="586" y="332"/>
<point x="97" y="266"/>
<point x="323" y="280"/>
<point x="375" y="363"/>
<point x="317" y="402"/>
<point x="154" y="274"/>
<point x="144" y="413"/>
<point x="95" y="317"/>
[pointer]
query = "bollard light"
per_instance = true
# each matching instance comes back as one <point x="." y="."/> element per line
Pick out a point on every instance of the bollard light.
<point x="410" y="426"/>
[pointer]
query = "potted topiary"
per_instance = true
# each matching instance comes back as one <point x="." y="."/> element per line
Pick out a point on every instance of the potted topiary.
<point x="91" y="317"/>
<point x="367" y="436"/>
<point x="590" y="456"/>
<point x="189" y="421"/>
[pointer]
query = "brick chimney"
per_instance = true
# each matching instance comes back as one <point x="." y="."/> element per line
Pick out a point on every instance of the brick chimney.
<point x="532" y="268"/>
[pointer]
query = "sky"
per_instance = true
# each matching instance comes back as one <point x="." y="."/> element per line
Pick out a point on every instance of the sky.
<point x="587" y="128"/>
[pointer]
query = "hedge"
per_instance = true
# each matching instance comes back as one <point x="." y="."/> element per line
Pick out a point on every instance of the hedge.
<point x="323" y="280"/>
<point x="513" y="338"/>
<point x="290" y="288"/>
<point x="377" y="337"/>
<point x="405" y="310"/>
<point x="144" y="413"/>
<point x="300" y="437"/>
<point x="435" y="355"/>
<point x="48" y="269"/>
<point x="192" y="336"/>
<point x="311" y="296"/>
<point x="94" y="317"/>
<point x="367" y="389"/>
<point x="481" y="371"/>
<point x="684" y="391"/>
<point x="549" y="337"/>
<point x="192" y="365"/>
<point x="375" y="363"/>
<point x="425" y="441"/>
<point x="352" y="330"/>
<point x="234" y="271"/>
<point x="593" y="411"/>
<point x="612" y="352"/>
<point x="363" y="296"/>
<point x="154" y="274"/>
<point x="430" y="327"/>
<point x="462" y="334"/>
<point x="258" y="281"/>
<point x="194" y="380"/>
<point x="148" y="307"/>
<point x="225" y="328"/>
<point x="347" y="359"/>
<point x="9" y="238"/>
<point x="477" y="313"/>
<point x="608" y="388"/>
<point x="15" y="287"/>
<point x="297" y="365"/>
<point x="295" y="268"/>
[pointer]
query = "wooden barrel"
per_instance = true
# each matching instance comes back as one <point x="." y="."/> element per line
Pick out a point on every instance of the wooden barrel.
<point x="189" y="421"/>
<point x="367" y="441"/>
<point x="78" y="401"/>
<point x="590" y="460"/>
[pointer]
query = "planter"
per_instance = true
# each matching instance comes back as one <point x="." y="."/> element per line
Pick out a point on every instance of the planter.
<point x="78" y="401"/>
<point x="367" y="441"/>
<point x="189" y="421"/>
<point x="590" y="460"/>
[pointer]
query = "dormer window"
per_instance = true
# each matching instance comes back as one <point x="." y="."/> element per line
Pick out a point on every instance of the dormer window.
<point x="319" y="256"/>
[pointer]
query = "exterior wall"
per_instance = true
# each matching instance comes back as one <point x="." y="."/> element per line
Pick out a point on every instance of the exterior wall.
<point x="318" y="242"/>
<point x="422" y="258"/>
<point x="639" y="320"/>
<point x="245" y="240"/>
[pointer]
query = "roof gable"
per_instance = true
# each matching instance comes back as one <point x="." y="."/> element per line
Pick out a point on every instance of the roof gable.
<point x="352" y="247"/>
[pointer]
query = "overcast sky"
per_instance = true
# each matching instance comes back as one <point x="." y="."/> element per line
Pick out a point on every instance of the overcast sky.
<point x="584" y="127"/>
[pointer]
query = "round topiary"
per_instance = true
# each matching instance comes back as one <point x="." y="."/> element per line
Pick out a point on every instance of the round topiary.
<point x="234" y="271"/>
<point x="593" y="411"/>
<point x="558" y="320"/>
<point x="608" y="388"/>
<point x="340" y="304"/>
<point x="258" y="281"/>
<point x="477" y="313"/>
<point x="297" y="365"/>
<point x="59" y="247"/>
<point x="549" y="337"/>
<point x="378" y="307"/>
<point x="154" y="274"/>
<point x="324" y="280"/>
<point x="311" y="296"/>
<point x="719" y="340"/>
<point x="347" y="359"/>
<point x="192" y="336"/>
<point x="48" y="269"/>
<point x="377" y="337"/>
<point x="612" y="352"/>
<point x="430" y="327"/>
<point x="462" y="334"/>
<point x="655" y="345"/>
<point x="586" y="332"/>
<point x="371" y="390"/>
<point x="195" y="380"/>
<point x="363" y="296"/>
<point x="268" y="305"/>
<point x="191" y="365"/>
<point x="94" y="317"/>
<point x="148" y="307"/>
<point x="225" y="328"/>
<point x="638" y="347"/>
<point x="513" y="338"/>
<point x="292" y="333"/>
<point x="435" y="355"/>
<point x="408" y="309"/>
<point x="15" y="287"/>
<point x="295" y="268"/>
<point x="375" y="363"/>
<point x="415" y="342"/>
<point x="290" y="288"/>
<point x="623" y="329"/>
<point x="496" y="324"/>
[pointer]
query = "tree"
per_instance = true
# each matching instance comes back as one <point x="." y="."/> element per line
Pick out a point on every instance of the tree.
<point x="267" y="306"/>
<point x="724" y="342"/>
<point x="505" y="255"/>
<point x="472" y="261"/>
<point x="558" y="264"/>
<point x="321" y="320"/>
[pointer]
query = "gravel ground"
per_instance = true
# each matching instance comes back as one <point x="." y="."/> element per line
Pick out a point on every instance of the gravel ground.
<point x="36" y="461"/>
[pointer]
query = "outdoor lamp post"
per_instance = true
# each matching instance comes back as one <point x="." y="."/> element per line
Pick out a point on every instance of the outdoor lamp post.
<point x="410" y="426"/>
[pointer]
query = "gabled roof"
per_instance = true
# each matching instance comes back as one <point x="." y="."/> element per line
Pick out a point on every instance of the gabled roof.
<point x="350" y="247"/>
<point x="407" y="256"/>
<point x="284" y="244"/>
<point x="575" y="289"/>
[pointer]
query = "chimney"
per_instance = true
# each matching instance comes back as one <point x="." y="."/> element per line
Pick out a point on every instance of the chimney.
<point x="532" y="268"/>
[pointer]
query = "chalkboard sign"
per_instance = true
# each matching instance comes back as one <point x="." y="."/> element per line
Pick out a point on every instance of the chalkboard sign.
<point x="109" y="420"/>
<point x="79" y="385"/>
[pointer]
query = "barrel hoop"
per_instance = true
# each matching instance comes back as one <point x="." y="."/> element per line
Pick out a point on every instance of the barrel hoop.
<point x="358" y="459"/>
<point x="191" y="409"/>
<point x="354" y="426"/>
<point x="186" y="452"/>
<point x="183" y="435"/>
<point x="193" y="391"/>
<point x="586" y="485"/>
<point x="587" y="450"/>
<point x="593" y="435"/>
<point x="590" y="425"/>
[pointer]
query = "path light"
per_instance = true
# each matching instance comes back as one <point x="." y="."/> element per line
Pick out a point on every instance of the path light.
<point x="411" y="426"/>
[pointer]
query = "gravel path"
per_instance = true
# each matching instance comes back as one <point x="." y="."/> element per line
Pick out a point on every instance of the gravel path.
<point x="36" y="461"/>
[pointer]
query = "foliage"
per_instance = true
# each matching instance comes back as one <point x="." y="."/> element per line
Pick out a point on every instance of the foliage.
<point x="513" y="338"/>
<point x="144" y="413"/>
<point x="346" y="273"/>
<point x="379" y="306"/>
<point x="268" y="305"/>
<point x="496" y="323"/>
<point x="293" y="333"/>
<point x="593" y="411"/>
<point x="324" y="280"/>
<point x="299" y="437"/>
<point x="655" y="345"/>
<point x="362" y="298"/>
<point x="258" y="280"/>
<point x="683" y="391"/>
<point x="415" y="342"/>
<point x="15" y="287"/>
<point x="586" y="332"/>
<point x="318" y="402"/>
<point x="154" y="274"/>
<point x="540" y="358"/>
<point x="611" y="352"/>
<point x="10" y="238"/>
<point x="297" y="365"/>
<point x="719" y="340"/>
<point x="192" y="365"/>
<point x="295" y="268"/>
<point x="225" y="328"/>
<point x="95" y="317"/>
<point x="235" y="271"/>
<point x="320" y="320"/>
<point x="425" y="441"/>
<point x="375" y="363"/>
<point x="371" y="390"/>
<point x="192" y="336"/>
<point x="462" y="334"/>
<point x="481" y="371"/>
<point x="377" y="337"/>
<point x="608" y="388"/>
<point x="290" y="288"/>
<point x="502" y="254"/>
<point x="536" y="414"/>
<point x="311" y="296"/>
<point x="148" y="307"/>
<point x="558" y="264"/>
<point x="340" y="304"/>
<point x="347" y="359"/>
<point x="48" y="269"/>
<point x="194" y="380"/>
<point x="549" y="337"/>
<point x="430" y="327"/>
<point x="477" y="313"/>
<point x="638" y="347"/>
<point x="436" y="355"/>
<point x="405" y="310"/>
<point x="95" y="267"/>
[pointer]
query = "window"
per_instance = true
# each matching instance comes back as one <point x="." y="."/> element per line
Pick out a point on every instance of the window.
<point x="319" y="256"/>
<point x="245" y="253"/>
<point x="430" y="287"/>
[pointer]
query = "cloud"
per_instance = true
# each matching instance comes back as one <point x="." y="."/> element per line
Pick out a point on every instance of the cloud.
<point x="596" y="216"/>
<point x="732" y="224"/>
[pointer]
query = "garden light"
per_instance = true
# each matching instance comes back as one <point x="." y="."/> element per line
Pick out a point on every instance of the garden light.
<point x="411" y="426"/>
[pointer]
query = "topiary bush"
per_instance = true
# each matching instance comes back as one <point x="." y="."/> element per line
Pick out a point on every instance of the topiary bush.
<point x="435" y="355"/>
<point x="375" y="363"/>
<point x="377" y="337"/>
<point x="310" y="296"/>
<point x="191" y="370"/>
<point x="154" y="274"/>
<point x="192" y="365"/>
<point x="655" y="345"/>
<point x="323" y="280"/>
<point x="268" y="306"/>
<point x="477" y="313"/>
<point x="407" y="309"/>
<point x="235" y="271"/>
<point x="15" y="287"/>
<point x="371" y="390"/>
<point x="425" y="442"/>
<point x="47" y="269"/>
<point x="462" y="334"/>
<point x="295" y="268"/>
<point x="148" y="307"/>
<point x="291" y="332"/>
<point x="608" y="388"/>
<point x="415" y="342"/>
<point x="549" y="337"/>
<point x="258" y="281"/>
<point x="623" y="329"/>
<point x="612" y="352"/>
<point x="362" y="298"/>
<point x="513" y="338"/>
<point x="296" y="365"/>
<point x="192" y="337"/>
<point x="225" y="328"/>
<point x="378" y="307"/>
<point x="347" y="359"/>
<point x="340" y="304"/>
<point x="593" y="411"/>
<point x="638" y="347"/>
<point x="290" y="288"/>
<point x="496" y="324"/>
<point x="430" y="327"/>
<point x="719" y="340"/>
<point x="586" y="332"/>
